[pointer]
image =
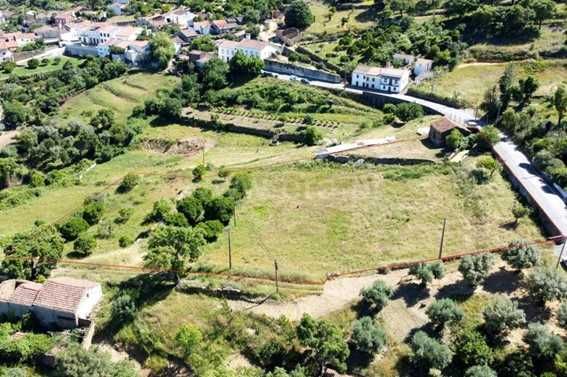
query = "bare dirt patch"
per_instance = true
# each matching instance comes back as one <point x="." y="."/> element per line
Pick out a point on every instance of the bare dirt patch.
<point x="186" y="147"/>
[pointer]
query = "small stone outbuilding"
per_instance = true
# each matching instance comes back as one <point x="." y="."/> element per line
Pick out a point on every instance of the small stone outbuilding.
<point x="60" y="302"/>
<point x="441" y="128"/>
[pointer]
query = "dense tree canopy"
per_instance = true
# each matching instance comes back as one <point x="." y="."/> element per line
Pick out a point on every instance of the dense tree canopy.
<point x="32" y="254"/>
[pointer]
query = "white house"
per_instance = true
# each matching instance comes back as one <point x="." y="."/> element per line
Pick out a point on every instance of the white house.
<point x="250" y="47"/>
<point x="6" y="55"/>
<point x="181" y="17"/>
<point x="391" y="80"/>
<point x="58" y="303"/>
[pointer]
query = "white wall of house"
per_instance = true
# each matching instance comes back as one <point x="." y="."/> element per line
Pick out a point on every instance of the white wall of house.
<point x="422" y="66"/>
<point x="228" y="53"/>
<point x="91" y="297"/>
<point x="6" y="55"/>
<point x="392" y="84"/>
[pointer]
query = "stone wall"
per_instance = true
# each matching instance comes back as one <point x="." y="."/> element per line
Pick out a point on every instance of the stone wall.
<point x="308" y="73"/>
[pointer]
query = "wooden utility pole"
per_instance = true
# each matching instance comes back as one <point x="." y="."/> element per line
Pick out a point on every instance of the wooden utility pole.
<point x="442" y="238"/>
<point x="561" y="253"/>
<point x="276" y="273"/>
<point x="235" y="207"/>
<point x="229" y="252"/>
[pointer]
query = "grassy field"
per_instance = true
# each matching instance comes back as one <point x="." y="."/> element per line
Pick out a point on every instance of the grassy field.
<point x="50" y="67"/>
<point x="320" y="219"/>
<point x="471" y="80"/>
<point x="328" y="23"/>
<point x="121" y="95"/>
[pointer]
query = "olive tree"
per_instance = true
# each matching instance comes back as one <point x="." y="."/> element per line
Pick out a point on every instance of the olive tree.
<point x="542" y="343"/>
<point x="443" y="311"/>
<point x="471" y="348"/>
<point x="377" y="295"/>
<point x="475" y="268"/>
<point x="325" y="343"/>
<point x="427" y="272"/>
<point x="367" y="336"/>
<point x="429" y="353"/>
<point x="521" y="254"/>
<point x="502" y="315"/>
<point x="546" y="284"/>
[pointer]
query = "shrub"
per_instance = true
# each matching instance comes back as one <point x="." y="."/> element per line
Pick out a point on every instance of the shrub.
<point x="33" y="63"/>
<point x="454" y="140"/>
<point x="124" y="215"/>
<point x="377" y="295"/>
<point x="543" y="345"/>
<point x="487" y="137"/>
<point x="546" y="284"/>
<point x="191" y="208"/>
<point x="475" y="268"/>
<point x="407" y="111"/>
<point x="92" y="212"/>
<point x="480" y="175"/>
<point x="221" y="208"/>
<point x="187" y="338"/>
<point x="428" y="353"/>
<point x="161" y="209"/>
<point x="516" y="364"/>
<point x="128" y="183"/>
<point x="311" y="136"/>
<point x="241" y="183"/>
<point x="37" y="179"/>
<point x="521" y="254"/>
<point x="211" y="229"/>
<point x="502" y="315"/>
<point x="480" y="371"/>
<point x="471" y="348"/>
<point x="123" y="309"/>
<point x="74" y="361"/>
<point x="84" y="245"/>
<point x="367" y="337"/>
<point x="443" y="311"/>
<point x="427" y="272"/>
<point x="73" y="227"/>
<point x="199" y="172"/>
<point x="519" y="211"/>
<point x="104" y="230"/>
<point x="125" y="241"/>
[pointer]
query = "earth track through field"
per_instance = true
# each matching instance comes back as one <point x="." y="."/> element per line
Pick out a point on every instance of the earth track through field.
<point x="337" y="294"/>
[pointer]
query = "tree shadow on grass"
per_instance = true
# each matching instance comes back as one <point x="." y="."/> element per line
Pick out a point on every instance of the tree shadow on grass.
<point x="411" y="293"/>
<point x="458" y="291"/>
<point x="535" y="311"/>
<point x="502" y="281"/>
<point x="358" y="360"/>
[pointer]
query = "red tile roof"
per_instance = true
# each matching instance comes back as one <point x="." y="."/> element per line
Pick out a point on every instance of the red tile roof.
<point x="63" y="294"/>
<point x="443" y="125"/>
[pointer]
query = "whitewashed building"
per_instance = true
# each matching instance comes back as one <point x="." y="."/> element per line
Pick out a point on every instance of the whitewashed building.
<point x="60" y="302"/>
<point x="391" y="80"/>
<point x="182" y="17"/>
<point x="422" y="66"/>
<point x="249" y="47"/>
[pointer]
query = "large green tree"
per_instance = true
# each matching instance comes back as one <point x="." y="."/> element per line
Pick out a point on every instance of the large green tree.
<point x="172" y="248"/>
<point x="560" y="103"/>
<point x="32" y="254"/>
<point x="325" y="343"/>
<point x="299" y="15"/>
<point x="161" y="50"/>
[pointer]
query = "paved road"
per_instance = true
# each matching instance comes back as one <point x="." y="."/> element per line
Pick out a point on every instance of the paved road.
<point x="541" y="192"/>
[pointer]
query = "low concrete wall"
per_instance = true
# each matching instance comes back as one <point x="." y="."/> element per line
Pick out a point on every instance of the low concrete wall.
<point x="343" y="159"/>
<point x="308" y="73"/>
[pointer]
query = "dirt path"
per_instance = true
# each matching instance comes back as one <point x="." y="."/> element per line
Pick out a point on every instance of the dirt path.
<point x="337" y="294"/>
